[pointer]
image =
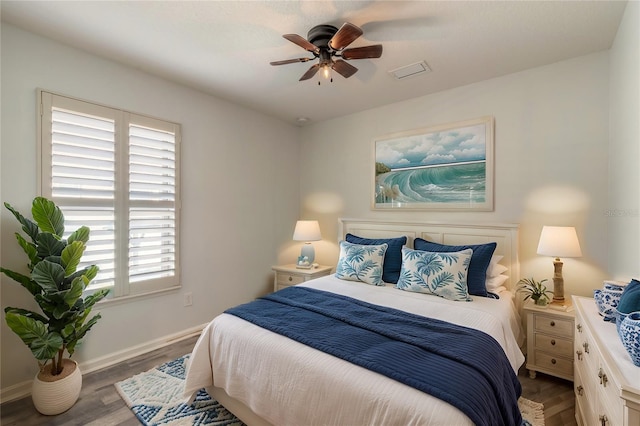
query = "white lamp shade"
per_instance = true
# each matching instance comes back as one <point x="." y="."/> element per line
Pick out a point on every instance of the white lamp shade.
<point x="307" y="230"/>
<point x="559" y="241"/>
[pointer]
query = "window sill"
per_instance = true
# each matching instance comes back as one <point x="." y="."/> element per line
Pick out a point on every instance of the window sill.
<point x="125" y="299"/>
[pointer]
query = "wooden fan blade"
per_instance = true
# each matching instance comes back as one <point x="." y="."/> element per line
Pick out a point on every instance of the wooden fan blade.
<point x="374" y="51"/>
<point x="301" y="41"/>
<point x="290" y="61"/>
<point x="345" y="36"/>
<point x="344" y="69"/>
<point x="310" y="72"/>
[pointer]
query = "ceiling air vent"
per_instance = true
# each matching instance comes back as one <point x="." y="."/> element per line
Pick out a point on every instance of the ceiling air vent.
<point x="410" y="70"/>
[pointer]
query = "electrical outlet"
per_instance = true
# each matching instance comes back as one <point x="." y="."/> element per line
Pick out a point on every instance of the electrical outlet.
<point x="188" y="299"/>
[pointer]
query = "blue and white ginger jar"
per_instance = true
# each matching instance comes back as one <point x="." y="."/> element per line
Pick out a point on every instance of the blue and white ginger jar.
<point x="630" y="336"/>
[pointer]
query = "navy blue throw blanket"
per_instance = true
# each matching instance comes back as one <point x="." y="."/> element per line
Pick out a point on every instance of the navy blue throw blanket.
<point x="462" y="366"/>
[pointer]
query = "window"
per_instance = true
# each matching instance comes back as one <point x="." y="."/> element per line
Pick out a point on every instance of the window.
<point x="117" y="173"/>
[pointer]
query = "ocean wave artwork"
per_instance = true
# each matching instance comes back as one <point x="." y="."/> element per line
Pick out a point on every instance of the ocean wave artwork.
<point x="457" y="183"/>
<point x="448" y="166"/>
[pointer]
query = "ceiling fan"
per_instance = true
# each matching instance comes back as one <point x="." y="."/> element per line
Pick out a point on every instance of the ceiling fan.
<point x="326" y="43"/>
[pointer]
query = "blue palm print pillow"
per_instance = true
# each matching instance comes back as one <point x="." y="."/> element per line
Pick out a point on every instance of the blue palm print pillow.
<point x="443" y="274"/>
<point x="361" y="262"/>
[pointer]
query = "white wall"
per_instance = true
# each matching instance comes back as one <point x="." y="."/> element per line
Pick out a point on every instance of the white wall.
<point x="623" y="209"/>
<point x="239" y="182"/>
<point x="551" y="149"/>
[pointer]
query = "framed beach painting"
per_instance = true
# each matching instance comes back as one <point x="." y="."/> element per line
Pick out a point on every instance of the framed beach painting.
<point x="446" y="167"/>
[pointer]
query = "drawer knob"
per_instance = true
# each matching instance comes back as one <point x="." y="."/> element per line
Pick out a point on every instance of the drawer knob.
<point x="580" y="390"/>
<point x="579" y="327"/>
<point x="552" y="323"/>
<point x="585" y="345"/>
<point x="579" y="354"/>
<point x="603" y="378"/>
<point x="553" y="361"/>
<point x="553" y="342"/>
<point x="290" y="278"/>
<point x="603" y="420"/>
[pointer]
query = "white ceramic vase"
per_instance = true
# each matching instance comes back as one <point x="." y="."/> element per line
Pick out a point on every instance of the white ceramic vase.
<point x="51" y="398"/>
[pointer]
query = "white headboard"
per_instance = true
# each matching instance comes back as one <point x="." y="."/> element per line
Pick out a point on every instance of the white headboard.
<point x="505" y="235"/>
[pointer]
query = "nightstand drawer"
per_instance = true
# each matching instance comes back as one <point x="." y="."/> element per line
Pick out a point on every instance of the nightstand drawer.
<point x="554" y="345"/>
<point x="557" y="326"/>
<point x="289" y="279"/>
<point x="556" y="364"/>
<point x="288" y="275"/>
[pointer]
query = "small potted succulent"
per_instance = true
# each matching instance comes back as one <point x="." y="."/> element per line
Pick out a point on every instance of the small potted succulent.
<point x="534" y="290"/>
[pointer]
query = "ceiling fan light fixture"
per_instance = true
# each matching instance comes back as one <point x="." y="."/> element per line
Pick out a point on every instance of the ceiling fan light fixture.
<point x="326" y="71"/>
<point x="410" y="70"/>
<point x="327" y="42"/>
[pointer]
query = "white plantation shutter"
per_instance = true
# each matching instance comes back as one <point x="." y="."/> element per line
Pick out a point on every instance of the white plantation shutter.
<point x="83" y="167"/>
<point x="83" y="155"/>
<point x="152" y="194"/>
<point x="151" y="244"/>
<point x="116" y="173"/>
<point x="101" y="249"/>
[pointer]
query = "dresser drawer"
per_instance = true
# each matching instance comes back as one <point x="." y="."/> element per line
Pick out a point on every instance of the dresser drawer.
<point x="585" y="355"/>
<point x="557" y="326"/>
<point x="611" y="403"/>
<point x="285" y="279"/>
<point x="558" y="365"/>
<point x="585" y="396"/>
<point x="554" y="345"/>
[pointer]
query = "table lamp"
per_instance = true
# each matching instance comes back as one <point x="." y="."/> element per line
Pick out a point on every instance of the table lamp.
<point x="307" y="231"/>
<point x="559" y="241"/>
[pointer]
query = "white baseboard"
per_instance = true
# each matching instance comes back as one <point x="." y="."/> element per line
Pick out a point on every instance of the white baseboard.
<point x="20" y="390"/>
<point x="17" y="391"/>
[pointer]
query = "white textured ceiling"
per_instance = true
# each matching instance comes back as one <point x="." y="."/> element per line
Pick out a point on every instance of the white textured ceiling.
<point x="224" y="47"/>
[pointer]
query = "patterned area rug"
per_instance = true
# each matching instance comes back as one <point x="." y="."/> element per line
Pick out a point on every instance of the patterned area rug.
<point x="532" y="412"/>
<point x="155" y="397"/>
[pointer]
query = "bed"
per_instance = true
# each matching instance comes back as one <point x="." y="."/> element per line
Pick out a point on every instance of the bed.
<point x="266" y="378"/>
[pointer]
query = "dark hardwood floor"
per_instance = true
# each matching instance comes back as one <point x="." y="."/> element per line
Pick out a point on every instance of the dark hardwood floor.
<point x="100" y="404"/>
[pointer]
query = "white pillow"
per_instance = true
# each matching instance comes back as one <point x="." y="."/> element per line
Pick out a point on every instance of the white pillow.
<point x="494" y="269"/>
<point x="494" y="282"/>
<point x="499" y="290"/>
<point x="361" y="262"/>
<point x="443" y="274"/>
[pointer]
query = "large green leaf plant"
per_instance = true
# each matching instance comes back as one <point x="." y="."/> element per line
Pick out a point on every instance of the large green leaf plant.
<point x="55" y="284"/>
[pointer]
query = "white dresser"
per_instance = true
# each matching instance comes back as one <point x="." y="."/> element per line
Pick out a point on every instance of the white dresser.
<point x="606" y="383"/>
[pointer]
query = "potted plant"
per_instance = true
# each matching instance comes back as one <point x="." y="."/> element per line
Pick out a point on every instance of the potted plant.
<point x="536" y="290"/>
<point x="57" y="288"/>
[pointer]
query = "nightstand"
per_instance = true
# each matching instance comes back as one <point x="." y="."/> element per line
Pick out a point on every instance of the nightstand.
<point x="288" y="275"/>
<point x="549" y="341"/>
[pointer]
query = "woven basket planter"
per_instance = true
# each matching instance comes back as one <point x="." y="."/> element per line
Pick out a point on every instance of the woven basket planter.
<point x="57" y="396"/>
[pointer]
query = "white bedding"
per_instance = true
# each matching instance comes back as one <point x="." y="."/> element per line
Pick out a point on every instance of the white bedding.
<point x="289" y="383"/>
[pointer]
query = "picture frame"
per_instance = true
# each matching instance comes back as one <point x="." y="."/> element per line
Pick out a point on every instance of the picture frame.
<point x="448" y="167"/>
